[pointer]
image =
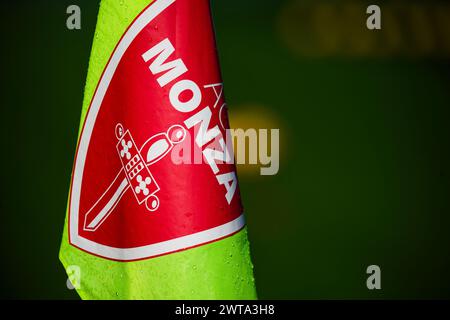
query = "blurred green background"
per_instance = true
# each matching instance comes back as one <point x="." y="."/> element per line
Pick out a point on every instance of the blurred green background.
<point x="363" y="115"/>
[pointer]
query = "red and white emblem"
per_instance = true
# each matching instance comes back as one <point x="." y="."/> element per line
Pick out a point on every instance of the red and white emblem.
<point x="160" y="89"/>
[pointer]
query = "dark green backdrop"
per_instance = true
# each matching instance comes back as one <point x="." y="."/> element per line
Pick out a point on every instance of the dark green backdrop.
<point x="363" y="117"/>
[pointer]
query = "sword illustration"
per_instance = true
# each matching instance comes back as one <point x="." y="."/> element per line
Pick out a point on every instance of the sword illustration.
<point x="135" y="173"/>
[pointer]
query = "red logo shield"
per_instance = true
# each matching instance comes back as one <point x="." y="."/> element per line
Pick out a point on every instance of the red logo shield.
<point x="161" y="90"/>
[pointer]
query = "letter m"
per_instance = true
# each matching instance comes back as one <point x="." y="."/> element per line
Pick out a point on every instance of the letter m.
<point x="161" y="53"/>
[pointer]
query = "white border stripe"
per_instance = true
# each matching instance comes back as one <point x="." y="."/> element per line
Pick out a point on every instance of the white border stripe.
<point x="177" y="244"/>
<point x="157" y="249"/>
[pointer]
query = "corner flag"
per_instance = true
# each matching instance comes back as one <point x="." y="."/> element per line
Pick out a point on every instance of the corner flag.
<point x="144" y="221"/>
